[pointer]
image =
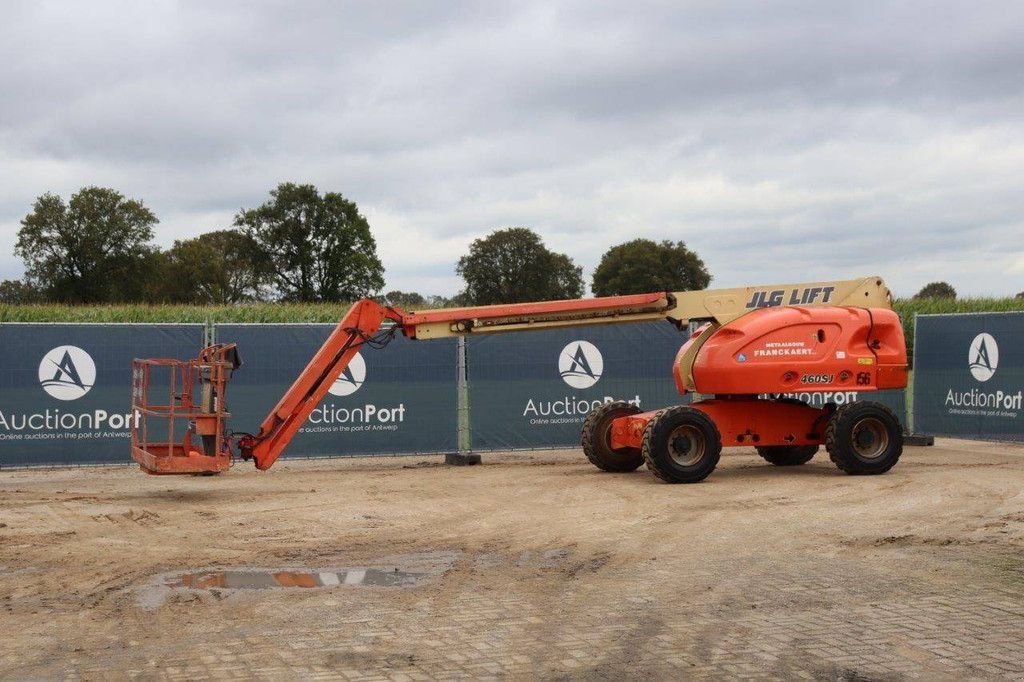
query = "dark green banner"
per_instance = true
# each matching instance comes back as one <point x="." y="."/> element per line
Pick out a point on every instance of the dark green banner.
<point x="65" y="389"/>
<point x="395" y="400"/>
<point x="533" y="389"/>
<point x="969" y="376"/>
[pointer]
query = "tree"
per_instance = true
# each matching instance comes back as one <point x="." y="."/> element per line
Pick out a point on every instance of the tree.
<point x="513" y="265"/>
<point x="459" y="300"/>
<point x="17" y="292"/>
<point x="936" y="290"/>
<point x="643" y="265"/>
<point x="404" y="299"/>
<point x="145" y="277"/>
<point x="216" y="267"/>
<point x="88" y="250"/>
<point x="315" y="248"/>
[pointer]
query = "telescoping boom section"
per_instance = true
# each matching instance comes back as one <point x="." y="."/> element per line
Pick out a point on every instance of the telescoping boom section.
<point x="197" y="391"/>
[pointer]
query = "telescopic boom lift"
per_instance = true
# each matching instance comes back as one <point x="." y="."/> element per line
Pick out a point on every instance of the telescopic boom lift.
<point x="753" y="342"/>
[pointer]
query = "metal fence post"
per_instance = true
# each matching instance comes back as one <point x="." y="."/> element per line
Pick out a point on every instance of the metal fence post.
<point x="910" y="393"/>
<point x="911" y="437"/>
<point x="464" y="438"/>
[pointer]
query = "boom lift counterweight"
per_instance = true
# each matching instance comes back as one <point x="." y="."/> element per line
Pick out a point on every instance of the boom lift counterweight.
<point x="822" y="336"/>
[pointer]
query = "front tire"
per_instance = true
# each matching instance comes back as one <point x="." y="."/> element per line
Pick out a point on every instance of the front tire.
<point x="681" y="445"/>
<point x="596" y="438"/>
<point x="864" y="438"/>
<point x="787" y="455"/>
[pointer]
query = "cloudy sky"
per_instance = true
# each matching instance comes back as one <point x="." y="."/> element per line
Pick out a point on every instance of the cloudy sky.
<point x="781" y="140"/>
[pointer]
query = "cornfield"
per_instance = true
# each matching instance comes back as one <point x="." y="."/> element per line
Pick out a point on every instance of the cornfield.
<point x="332" y="312"/>
<point x="255" y="312"/>
<point x="908" y="307"/>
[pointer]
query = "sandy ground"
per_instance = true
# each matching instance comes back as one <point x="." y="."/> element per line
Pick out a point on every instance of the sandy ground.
<point x="537" y="565"/>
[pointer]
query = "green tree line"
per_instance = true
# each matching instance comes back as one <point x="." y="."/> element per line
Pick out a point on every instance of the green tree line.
<point x="304" y="246"/>
<point x="300" y="246"/>
<point x="98" y="248"/>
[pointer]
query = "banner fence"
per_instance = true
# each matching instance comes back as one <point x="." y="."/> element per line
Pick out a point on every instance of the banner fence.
<point x="969" y="375"/>
<point x="534" y="389"/>
<point x="65" y="388"/>
<point x="398" y="400"/>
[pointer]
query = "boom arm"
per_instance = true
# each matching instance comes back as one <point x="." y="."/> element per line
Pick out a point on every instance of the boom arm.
<point x="717" y="305"/>
<point x="363" y="322"/>
<point x="358" y="326"/>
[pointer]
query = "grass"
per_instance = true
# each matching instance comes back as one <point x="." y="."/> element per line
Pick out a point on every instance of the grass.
<point x="332" y="312"/>
<point x="935" y="306"/>
<point x="255" y="312"/>
<point x="908" y="307"/>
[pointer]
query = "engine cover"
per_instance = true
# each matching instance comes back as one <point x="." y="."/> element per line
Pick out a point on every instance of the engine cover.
<point x="798" y="349"/>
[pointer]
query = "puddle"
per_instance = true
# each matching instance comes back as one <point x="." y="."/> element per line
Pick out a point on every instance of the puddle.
<point x="401" y="571"/>
<point x="271" y="579"/>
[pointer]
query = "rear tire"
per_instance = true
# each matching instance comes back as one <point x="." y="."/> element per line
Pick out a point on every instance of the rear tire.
<point x="681" y="445"/>
<point x="596" y="438"/>
<point x="864" y="438"/>
<point x="787" y="455"/>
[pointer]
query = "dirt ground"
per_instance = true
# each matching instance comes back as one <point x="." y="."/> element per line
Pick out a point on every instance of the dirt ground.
<point x="530" y="565"/>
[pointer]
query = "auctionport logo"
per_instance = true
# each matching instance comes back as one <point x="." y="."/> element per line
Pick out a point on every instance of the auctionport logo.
<point x="67" y="372"/>
<point x="580" y="364"/>
<point x="351" y="378"/>
<point x="982" y="361"/>
<point x="983" y="357"/>
<point x="330" y="417"/>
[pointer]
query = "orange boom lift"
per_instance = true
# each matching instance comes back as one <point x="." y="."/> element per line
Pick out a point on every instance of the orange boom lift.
<point x="754" y="341"/>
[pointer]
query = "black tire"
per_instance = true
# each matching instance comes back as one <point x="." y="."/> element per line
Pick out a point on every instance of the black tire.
<point x="688" y="461"/>
<point x="787" y="455"/>
<point x="596" y="438"/>
<point x="864" y="438"/>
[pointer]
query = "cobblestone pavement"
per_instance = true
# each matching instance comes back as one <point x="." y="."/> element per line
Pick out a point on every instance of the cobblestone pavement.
<point x="772" y="625"/>
<point x="669" y="604"/>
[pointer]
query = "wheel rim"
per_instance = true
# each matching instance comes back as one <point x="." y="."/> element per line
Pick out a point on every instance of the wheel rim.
<point x="870" y="438"/>
<point x="686" y="445"/>
<point x="606" y="433"/>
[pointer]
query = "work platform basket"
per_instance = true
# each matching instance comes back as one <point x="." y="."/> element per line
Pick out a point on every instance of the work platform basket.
<point x="179" y="412"/>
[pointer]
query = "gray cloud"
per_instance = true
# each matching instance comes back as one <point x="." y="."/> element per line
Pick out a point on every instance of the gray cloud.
<point x="781" y="140"/>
